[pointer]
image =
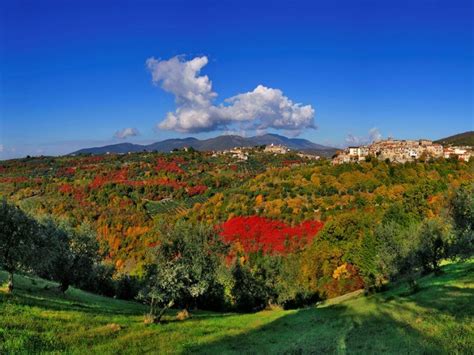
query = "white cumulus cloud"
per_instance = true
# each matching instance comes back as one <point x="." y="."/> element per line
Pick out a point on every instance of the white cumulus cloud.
<point x="260" y="109"/>
<point x="373" y="135"/>
<point x="126" y="132"/>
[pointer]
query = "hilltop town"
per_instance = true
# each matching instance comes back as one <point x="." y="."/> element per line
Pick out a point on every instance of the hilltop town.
<point x="394" y="150"/>
<point x="242" y="153"/>
<point x="401" y="151"/>
<point x="397" y="151"/>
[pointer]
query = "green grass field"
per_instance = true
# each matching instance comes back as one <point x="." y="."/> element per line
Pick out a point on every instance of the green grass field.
<point x="437" y="319"/>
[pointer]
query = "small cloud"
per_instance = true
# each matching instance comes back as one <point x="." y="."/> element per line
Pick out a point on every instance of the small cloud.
<point x="235" y="132"/>
<point x="374" y="135"/>
<point x="126" y="132"/>
<point x="1" y="148"/>
<point x="355" y="140"/>
<point x="260" y="109"/>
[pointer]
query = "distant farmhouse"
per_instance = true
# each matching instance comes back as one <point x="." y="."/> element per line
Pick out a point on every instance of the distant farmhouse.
<point x="401" y="151"/>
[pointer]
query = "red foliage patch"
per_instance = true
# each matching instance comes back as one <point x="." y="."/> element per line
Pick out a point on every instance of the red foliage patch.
<point x="169" y="167"/>
<point x="20" y="179"/>
<point x="99" y="181"/>
<point x="152" y="244"/>
<point x="77" y="193"/>
<point x="256" y="233"/>
<point x="291" y="162"/>
<point x="66" y="189"/>
<point x="197" y="190"/>
<point x="13" y="179"/>
<point x="164" y="181"/>
<point x="67" y="171"/>
<point x="125" y="203"/>
<point x="118" y="177"/>
<point x="80" y="196"/>
<point x="179" y="160"/>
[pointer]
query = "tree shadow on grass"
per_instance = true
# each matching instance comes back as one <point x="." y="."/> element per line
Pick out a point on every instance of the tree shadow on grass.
<point x="326" y="331"/>
<point x="194" y="316"/>
<point x="437" y="293"/>
<point x="447" y="300"/>
<point x="45" y="294"/>
<point x="35" y="294"/>
<point x="387" y="325"/>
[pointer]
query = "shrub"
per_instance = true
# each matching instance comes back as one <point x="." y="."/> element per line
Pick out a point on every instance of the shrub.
<point x="462" y="212"/>
<point x="432" y="246"/>
<point x="18" y="235"/>
<point x="127" y="287"/>
<point x="72" y="255"/>
<point x="100" y="281"/>
<point x="249" y="292"/>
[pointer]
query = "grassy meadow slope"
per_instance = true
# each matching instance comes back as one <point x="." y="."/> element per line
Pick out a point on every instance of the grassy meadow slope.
<point x="439" y="318"/>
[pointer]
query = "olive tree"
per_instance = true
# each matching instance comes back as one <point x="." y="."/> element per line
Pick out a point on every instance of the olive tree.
<point x="17" y="240"/>
<point x="72" y="254"/>
<point x="462" y="213"/>
<point x="184" y="267"/>
<point x="432" y="245"/>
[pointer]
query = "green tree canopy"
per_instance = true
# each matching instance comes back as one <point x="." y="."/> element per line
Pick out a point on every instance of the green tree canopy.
<point x="17" y="240"/>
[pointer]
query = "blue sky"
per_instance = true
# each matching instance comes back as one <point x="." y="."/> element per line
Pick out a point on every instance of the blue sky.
<point x="73" y="73"/>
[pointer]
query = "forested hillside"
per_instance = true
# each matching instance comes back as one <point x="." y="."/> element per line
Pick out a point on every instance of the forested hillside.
<point x="275" y="229"/>
<point x="462" y="139"/>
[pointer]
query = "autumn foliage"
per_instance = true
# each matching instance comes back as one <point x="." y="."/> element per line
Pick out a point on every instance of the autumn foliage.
<point x="197" y="190"/>
<point x="169" y="167"/>
<point x="345" y="278"/>
<point x="119" y="176"/>
<point x="283" y="198"/>
<point x="256" y="233"/>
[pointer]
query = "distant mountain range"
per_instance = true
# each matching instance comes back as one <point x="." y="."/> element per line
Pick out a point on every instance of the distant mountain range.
<point x="217" y="143"/>
<point x="466" y="138"/>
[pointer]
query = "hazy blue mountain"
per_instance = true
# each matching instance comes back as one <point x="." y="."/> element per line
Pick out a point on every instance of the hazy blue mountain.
<point x="216" y="143"/>
<point x="114" y="148"/>
<point x="170" y="144"/>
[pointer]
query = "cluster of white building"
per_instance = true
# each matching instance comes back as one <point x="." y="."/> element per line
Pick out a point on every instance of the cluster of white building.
<point x="239" y="153"/>
<point x="276" y="149"/>
<point x="242" y="153"/>
<point x="462" y="152"/>
<point x="401" y="151"/>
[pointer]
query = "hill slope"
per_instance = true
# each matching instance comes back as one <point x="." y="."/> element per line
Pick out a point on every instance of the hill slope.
<point x="466" y="138"/>
<point x="437" y="319"/>
<point x="216" y="143"/>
